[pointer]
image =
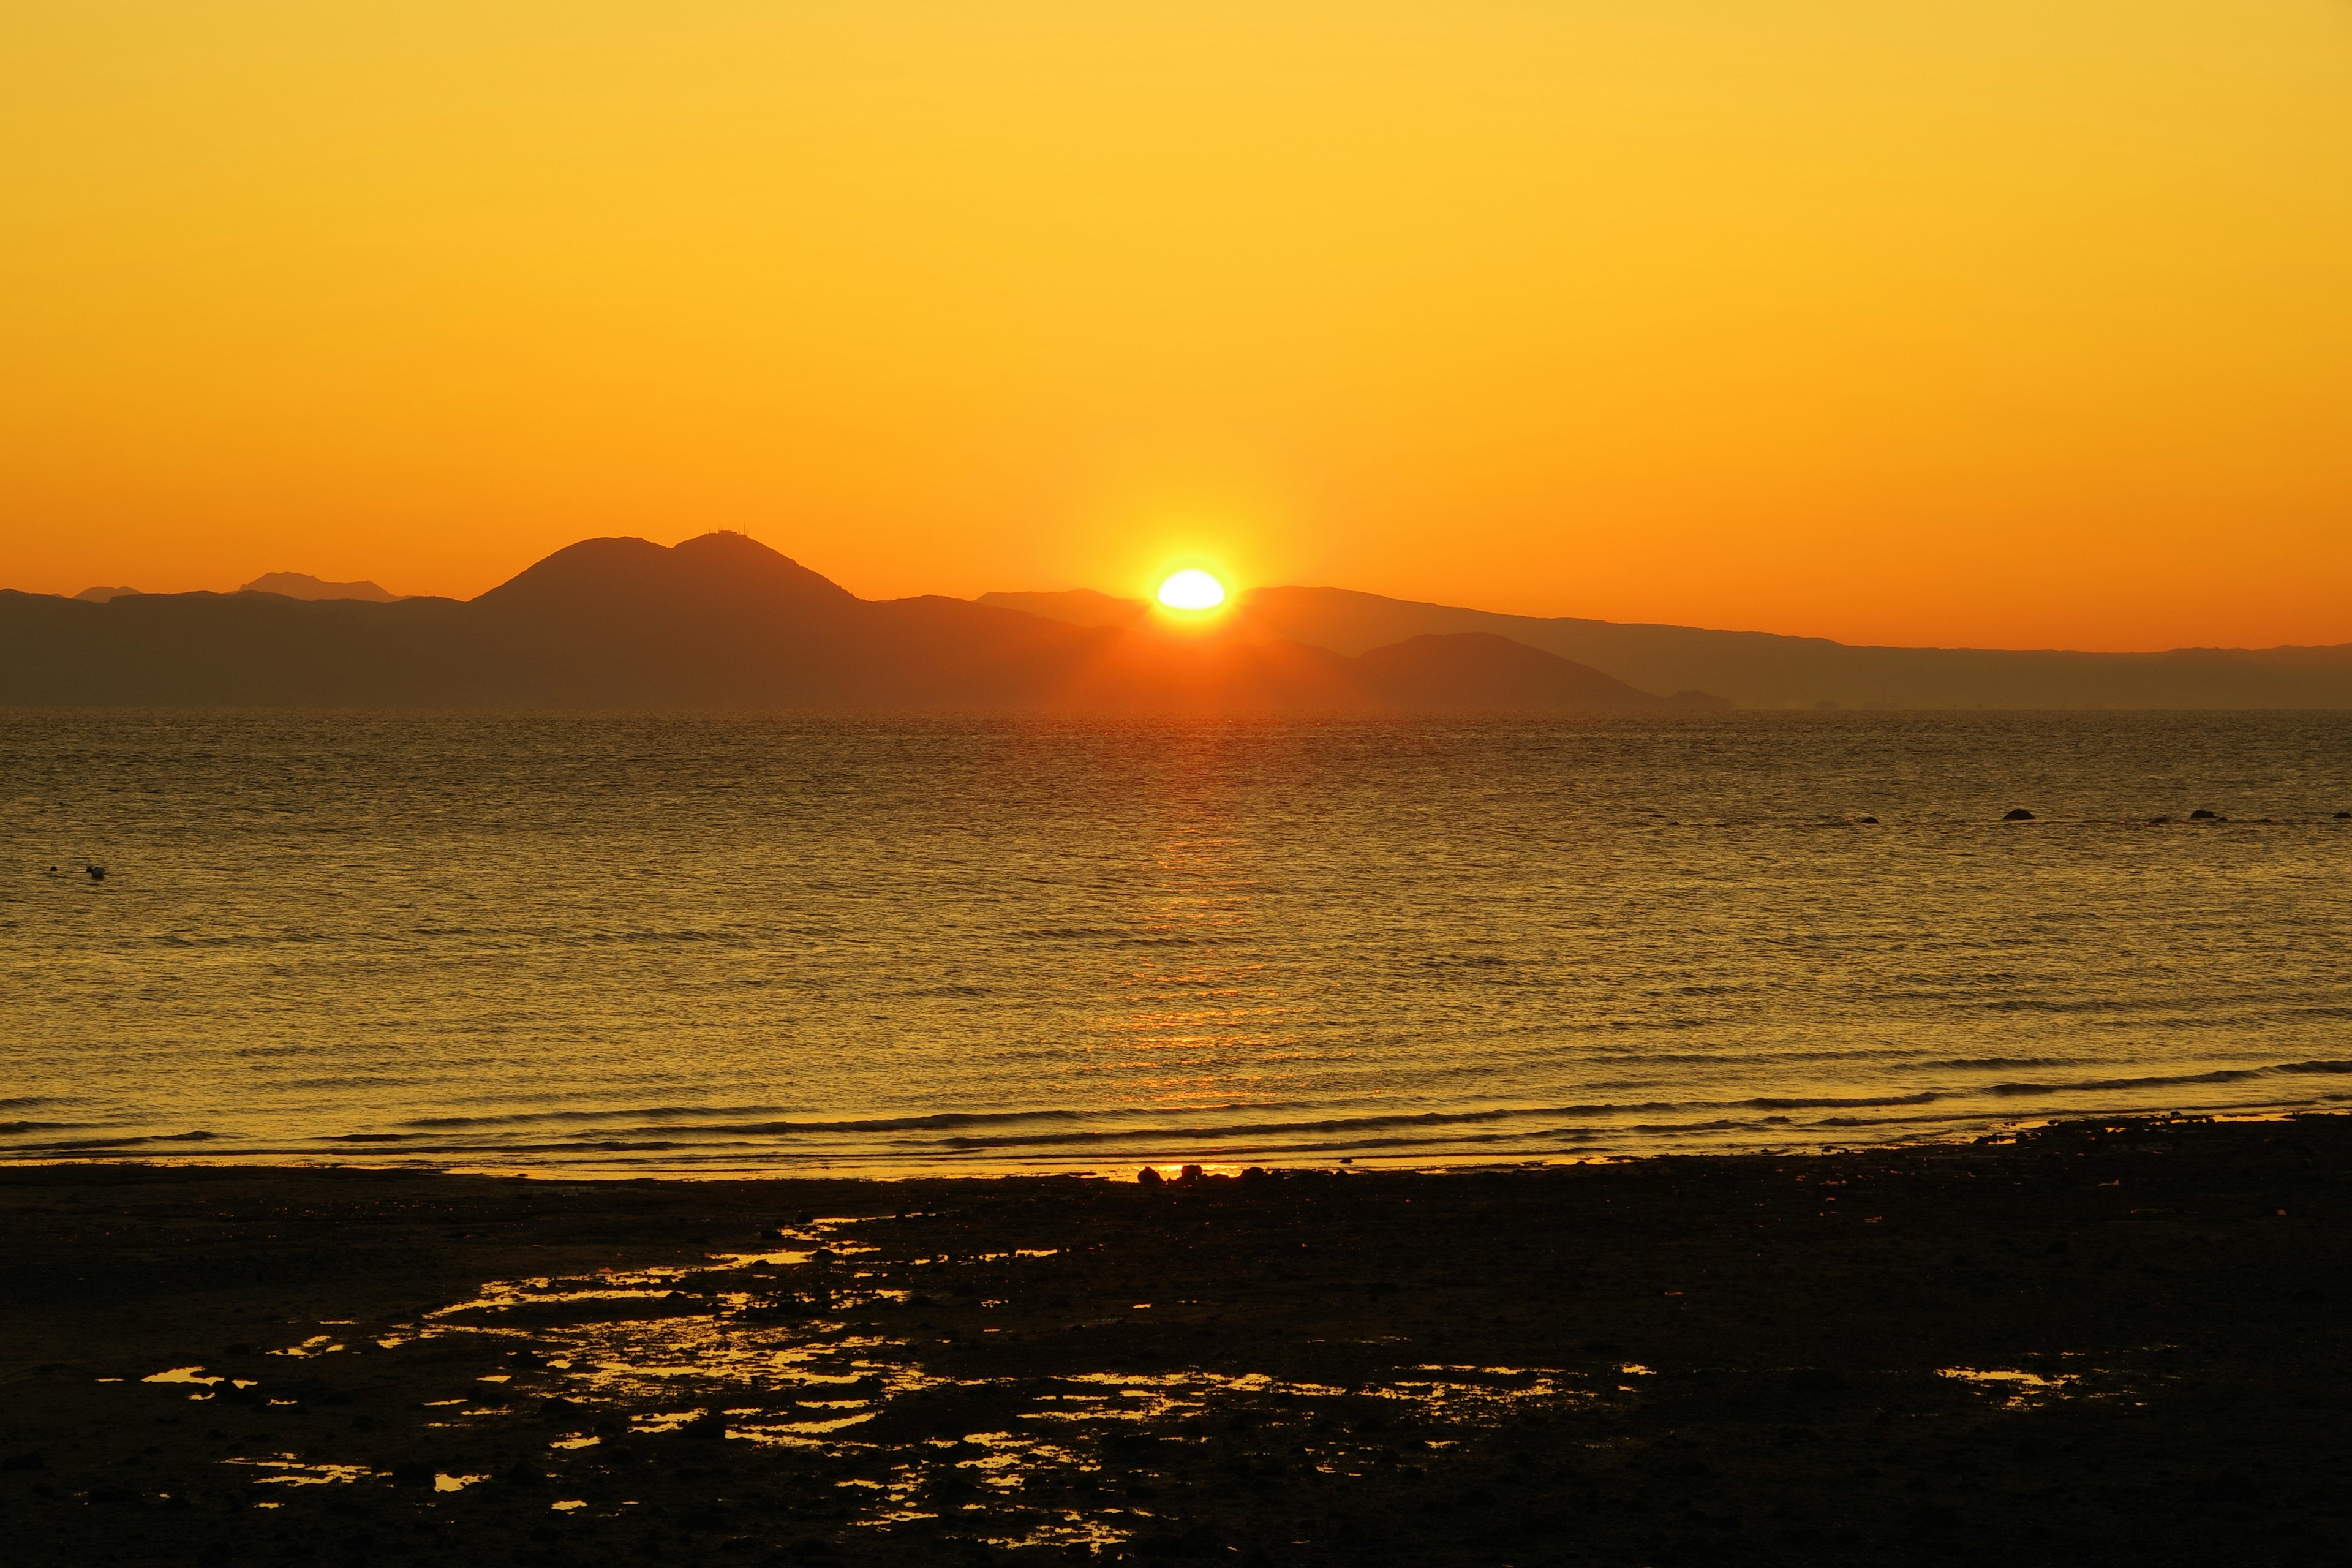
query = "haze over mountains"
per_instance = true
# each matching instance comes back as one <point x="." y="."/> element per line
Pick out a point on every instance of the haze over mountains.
<point x="722" y="621"/>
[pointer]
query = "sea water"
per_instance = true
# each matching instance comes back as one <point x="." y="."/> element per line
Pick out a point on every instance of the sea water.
<point x="723" y="945"/>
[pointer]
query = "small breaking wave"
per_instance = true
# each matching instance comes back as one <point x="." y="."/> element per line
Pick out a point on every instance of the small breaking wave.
<point x="714" y="1140"/>
<point x="2219" y="1075"/>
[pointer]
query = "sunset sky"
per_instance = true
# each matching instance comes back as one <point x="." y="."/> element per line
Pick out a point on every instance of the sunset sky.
<point x="2010" y="322"/>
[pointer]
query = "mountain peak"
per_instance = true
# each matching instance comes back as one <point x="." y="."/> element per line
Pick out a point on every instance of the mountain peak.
<point x="711" y="569"/>
<point x="302" y="585"/>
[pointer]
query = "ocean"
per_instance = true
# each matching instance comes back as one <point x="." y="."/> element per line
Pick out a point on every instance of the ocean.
<point x="633" y="945"/>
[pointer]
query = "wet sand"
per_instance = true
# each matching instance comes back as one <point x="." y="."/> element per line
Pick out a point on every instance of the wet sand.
<point x="2099" y="1343"/>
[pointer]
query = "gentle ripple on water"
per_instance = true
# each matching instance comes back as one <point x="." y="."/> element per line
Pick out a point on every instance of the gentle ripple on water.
<point x="720" y="945"/>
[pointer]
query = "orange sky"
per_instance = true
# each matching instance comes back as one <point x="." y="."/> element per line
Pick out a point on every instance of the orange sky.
<point x="2018" y="322"/>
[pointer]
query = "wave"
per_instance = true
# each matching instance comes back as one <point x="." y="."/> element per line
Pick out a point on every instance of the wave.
<point x="1924" y="1097"/>
<point x="2219" y="1075"/>
<point x="1116" y="1123"/>
<point x="1070" y="1128"/>
<point x="854" y="1124"/>
<point x="523" y="1116"/>
<point x="738" y="1136"/>
<point x="128" y="1139"/>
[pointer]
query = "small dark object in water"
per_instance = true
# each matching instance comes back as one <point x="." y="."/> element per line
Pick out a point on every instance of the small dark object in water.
<point x="2342" y="814"/>
<point x="2201" y="814"/>
<point x="1150" y="1177"/>
<point x="1872" y="820"/>
<point x="97" y="873"/>
<point x="2158" y="821"/>
<point x="2020" y="814"/>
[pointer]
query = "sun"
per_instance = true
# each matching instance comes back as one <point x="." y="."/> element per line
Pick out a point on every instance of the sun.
<point x="1191" y="589"/>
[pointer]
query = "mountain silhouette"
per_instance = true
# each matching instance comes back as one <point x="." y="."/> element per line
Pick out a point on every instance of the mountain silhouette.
<point x="1079" y="606"/>
<point x="722" y="621"/>
<point x="302" y="585"/>
<point x="1764" y="669"/>
<point x="1436" y="671"/>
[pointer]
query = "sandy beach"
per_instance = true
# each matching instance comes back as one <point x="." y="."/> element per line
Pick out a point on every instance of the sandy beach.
<point x="2094" y="1343"/>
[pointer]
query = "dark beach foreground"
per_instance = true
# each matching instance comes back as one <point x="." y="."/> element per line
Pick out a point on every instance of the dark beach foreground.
<point x="2117" y="1341"/>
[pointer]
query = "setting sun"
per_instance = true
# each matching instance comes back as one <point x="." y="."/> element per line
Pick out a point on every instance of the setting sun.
<point x="1191" y="590"/>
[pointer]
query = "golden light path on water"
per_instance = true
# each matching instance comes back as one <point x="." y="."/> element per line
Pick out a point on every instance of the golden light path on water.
<point x="730" y="944"/>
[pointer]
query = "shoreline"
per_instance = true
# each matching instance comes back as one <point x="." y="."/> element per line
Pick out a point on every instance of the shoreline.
<point x="2116" y="1340"/>
<point x="936" y="1167"/>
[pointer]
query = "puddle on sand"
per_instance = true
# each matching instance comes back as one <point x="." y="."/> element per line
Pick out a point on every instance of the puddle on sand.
<point x="1463" y="1393"/>
<point x="293" y="1472"/>
<point x="1068" y="1528"/>
<point x="316" y="1344"/>
<point x="194" y="1376"/>
<point x="763" y="1349"/>
<point x="2018" y="1388"/>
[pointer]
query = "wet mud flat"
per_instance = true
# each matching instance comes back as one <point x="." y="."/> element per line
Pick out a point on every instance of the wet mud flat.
<point x="2121" y="1341"/>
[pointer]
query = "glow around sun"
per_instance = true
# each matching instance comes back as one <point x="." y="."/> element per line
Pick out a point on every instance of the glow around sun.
<point x="1191" y="590"/>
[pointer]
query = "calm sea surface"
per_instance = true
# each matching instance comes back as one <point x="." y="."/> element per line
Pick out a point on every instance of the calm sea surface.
<point x="701" y="944"/>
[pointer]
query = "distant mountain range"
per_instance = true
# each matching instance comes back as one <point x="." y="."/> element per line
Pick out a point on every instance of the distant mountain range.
<point x="724" y="622"/>
<point x="290" y="584"/>
<point x="302" y="585"/>
<point x="1762" y="669"/>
